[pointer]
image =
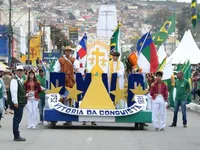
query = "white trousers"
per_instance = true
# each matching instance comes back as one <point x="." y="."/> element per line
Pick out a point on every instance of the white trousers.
<point x="159" y="112"/>
<point x="149" y="102"/>
<point x="32" y="108"/>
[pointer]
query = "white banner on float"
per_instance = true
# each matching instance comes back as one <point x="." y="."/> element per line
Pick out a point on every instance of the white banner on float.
<point x="140" y="104"/>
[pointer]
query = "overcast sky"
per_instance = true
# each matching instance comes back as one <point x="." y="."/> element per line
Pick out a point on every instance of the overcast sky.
<point x="187" y="1"/>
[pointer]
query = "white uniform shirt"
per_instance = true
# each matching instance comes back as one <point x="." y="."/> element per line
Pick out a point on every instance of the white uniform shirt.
<point x="14" y="89"/>
<point x="57" y="66"/>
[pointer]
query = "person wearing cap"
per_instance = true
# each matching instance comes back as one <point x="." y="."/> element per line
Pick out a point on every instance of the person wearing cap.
<point x="182" y="90"/>
<point x="39" y="66"/>
<point x="116" y="66"/>
<point x="68" y="65"/>
<point x="18" y="95"/>
<point x="159" y="93"/>
<point x="42" y="79"/>
<point x="33" y="88"/>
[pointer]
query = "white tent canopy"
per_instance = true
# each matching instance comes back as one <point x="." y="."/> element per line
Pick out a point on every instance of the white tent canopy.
<point x="186" y="50"/>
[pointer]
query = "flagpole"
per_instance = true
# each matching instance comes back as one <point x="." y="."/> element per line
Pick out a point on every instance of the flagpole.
<point x="174" y="39"/>
<point x="144" y="41"/>
<point x="197" y="18"/>
<point x="85" y="71"/>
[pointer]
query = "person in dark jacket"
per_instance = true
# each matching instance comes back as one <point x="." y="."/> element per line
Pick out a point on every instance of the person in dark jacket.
<point x="18" y="95"/>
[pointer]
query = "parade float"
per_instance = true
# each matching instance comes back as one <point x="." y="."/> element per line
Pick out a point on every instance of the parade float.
<point x="95" y="96"/>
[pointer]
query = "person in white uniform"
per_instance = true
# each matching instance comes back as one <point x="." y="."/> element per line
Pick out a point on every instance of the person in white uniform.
<point x="116" y="66"/>
<point x="159" y="93"/>
<point x="33" y="88"/>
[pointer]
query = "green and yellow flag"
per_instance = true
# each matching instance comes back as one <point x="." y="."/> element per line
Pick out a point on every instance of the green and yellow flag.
<point x="114" y="42"/>
<point x="194" y="13"/>
<point x="162" y="65"/>
<point x="187" y="71"/>
<point x="167" y="28"/>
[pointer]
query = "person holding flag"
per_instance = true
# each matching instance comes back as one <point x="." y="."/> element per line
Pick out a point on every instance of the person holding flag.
<point x="115" y="65"/>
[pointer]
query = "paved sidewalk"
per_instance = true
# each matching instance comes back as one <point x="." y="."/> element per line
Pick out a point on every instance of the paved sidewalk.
<point x="194" y="107"/>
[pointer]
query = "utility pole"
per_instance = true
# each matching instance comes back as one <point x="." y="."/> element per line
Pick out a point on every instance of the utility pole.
<point x="10" y="33"/>
<point x="54" y="40"/>
<point x="43" y="38"/>
<point x="29" y="33"/>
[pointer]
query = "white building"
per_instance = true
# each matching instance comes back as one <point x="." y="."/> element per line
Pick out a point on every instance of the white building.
<point x="20" y="19"/>
<point x="107" y="21"/>
<point x="48" y="41"/>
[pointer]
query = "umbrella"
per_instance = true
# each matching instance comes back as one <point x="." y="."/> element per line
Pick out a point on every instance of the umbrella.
<point x="28" y="67"/>
<point x="3" y="67"/>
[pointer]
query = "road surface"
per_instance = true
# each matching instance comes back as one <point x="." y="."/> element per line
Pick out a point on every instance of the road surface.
<point x="61" y="138"/>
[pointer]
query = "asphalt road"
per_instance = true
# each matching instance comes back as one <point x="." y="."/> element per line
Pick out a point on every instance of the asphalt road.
<point x="63" y="138"/>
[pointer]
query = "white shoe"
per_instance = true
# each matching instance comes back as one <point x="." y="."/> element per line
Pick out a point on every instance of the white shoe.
<point x="34" y="128"/>
<point x="40" y="123"/>
<point x="29" y="127"/>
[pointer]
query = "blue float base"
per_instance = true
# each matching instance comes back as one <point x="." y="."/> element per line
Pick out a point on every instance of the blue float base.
<point x="52" y="115"/>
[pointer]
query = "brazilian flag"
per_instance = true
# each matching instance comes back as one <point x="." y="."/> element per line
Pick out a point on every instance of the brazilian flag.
<point x="167" y="28"/>
<point x="194" y="13"/>
<point x="114" y="42"/>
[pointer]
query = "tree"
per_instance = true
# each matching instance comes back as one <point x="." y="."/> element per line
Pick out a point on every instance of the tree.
<point x="124" y="56"/>
<point x="158" y="19"/>
<point x="59" y="38"/>
<point x="71" y="16"/>
<point x="134" y="41"/>
<point x="184" y="24"/>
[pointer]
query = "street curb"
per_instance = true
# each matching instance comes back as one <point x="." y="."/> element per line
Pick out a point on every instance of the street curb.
<point x="193" y="107"/>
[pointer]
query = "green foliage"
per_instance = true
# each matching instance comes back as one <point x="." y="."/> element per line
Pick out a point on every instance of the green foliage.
<point x="60" y="38"/>
<point x="71" y="16"/>
<point x="124" y="56"/>
<point x="158" y="19"/>
<point x="183" y="22"/>
<point x="134" y="42"/>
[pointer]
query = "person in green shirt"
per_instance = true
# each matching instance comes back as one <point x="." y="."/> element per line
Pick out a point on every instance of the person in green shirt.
<point x="182" y="90"/>
<point x="42" y="79"/>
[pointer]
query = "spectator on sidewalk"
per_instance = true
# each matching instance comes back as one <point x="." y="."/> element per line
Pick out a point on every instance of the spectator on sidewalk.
<point x="198" y="88"/>
<point x="7" y="79"/>
<point x="194" y="84"/>
<point x="18" y="96"/>
<point x="3" y="96"/>
<point x="182" y="90"/>
<point x="42" y="79"/>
